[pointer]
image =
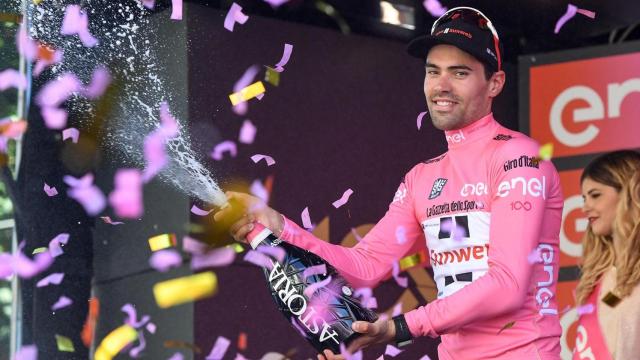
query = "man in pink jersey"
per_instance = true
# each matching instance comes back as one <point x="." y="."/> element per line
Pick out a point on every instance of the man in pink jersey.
<point x="489" y="210"/>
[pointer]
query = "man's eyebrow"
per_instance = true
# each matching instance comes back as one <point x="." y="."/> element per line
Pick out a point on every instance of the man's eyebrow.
<point x="453" y="67"/>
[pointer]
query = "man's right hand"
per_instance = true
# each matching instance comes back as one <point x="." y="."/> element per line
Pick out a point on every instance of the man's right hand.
<point x="248" y="209"/>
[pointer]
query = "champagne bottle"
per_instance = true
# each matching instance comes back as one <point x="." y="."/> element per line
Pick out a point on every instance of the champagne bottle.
<point x="323" y="316"/>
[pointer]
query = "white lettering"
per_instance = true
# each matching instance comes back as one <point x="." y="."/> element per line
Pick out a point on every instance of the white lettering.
<point x="474" y="189"/>
<point x="455" y="138"/>
<point x="533" y="187"/>
<point x="581" y="342"/>
<point x="544" y="293"/>
<point x="595" y="111"/>
<point x="328" y="332"/>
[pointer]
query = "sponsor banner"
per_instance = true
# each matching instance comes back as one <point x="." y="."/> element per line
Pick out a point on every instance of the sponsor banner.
<point x="574" y="223"/>
<point x="582" y="109"/>
<point x="568" y="316"/>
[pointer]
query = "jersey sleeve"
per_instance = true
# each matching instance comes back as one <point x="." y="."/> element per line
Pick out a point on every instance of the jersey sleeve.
<point x="371" y="260"/>
<point x="513" y="236"/>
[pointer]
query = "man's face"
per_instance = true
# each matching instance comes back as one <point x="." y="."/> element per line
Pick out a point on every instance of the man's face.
<point x="456" y="89"/>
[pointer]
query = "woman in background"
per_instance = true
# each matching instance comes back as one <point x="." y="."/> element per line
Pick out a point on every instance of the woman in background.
<point x="608" y="293"/>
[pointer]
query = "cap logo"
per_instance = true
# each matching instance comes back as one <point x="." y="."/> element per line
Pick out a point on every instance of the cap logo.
<point x="454" y="31"/>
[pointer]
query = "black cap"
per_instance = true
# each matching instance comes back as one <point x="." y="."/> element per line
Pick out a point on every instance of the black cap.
<point x="468" y="37"/>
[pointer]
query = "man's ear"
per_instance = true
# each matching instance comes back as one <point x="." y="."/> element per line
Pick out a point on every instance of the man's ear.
<point x="496" y="83"/>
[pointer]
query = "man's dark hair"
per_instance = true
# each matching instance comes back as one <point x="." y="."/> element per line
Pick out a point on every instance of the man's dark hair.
<point x="488" y="71"/>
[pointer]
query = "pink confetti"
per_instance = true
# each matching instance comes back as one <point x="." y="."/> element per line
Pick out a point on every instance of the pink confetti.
<point x="27" y="352"/>
<point x="258" y="258"/>
<point x="149" y="4"/>
<point x="12" y="129"/>
<point x="240" y="357"/>
<point x="425" y="357"/>
<point x="401" y="281"/>
<point x="434" y="8"/>
<point x="306" y="219"/>
<point x="219" y="348"/>
<point x="154" y="144"/>
<point x="26" y="46"/>
<point x="392" y="351"/>
<point x="247" y="132"/>
<point x="126" y="198"/>
<point x="457" y="232"/>
<point x="99" y="83"/>
<point x="176" y="9"/>
<point x="193" y="246"/>
<point x="88" y="195"/>
<point x="52" y="279"/>
<point x="71" y="133"/>
<point x="534" y="257"/>
<point x="214" y="258"/>
<point x="343" y="200"/>
<point x="397" y="309"/>
<point x="356" y="235"/>
<point x="55" y="245"/>
<point x="132" y="317"/>
<point x="163" y="260"/>
<point x="135" y="352"/>
<point x="11" y="78"/>
<point x="22" y="265"/>
<point x="44" y="62"/>
<point x="54" y="118"/>
<point x="258" y="190"/>
<point x="259" y="96"/>
<point x="234" y="16"/>
<point x="267" y="158"/>
<point x="107" y="220"/>
<point x="200" y="212"/>
<point x="50" y="190"/>
<point x="401" y="235"/>
<point x="151" y="327"/>
<point x="314" y="270"/>
<point x="420" y="117"/>
<point x="57" y="91"/>
<point x="347" y="355"/>
<point x="365" y="295"/>
<point x="274" y="251"/>
<point x="225" y="146"/>
<point x="585" y="309"/>
<point x="275" y="3"/>
<point x="572" y="10"/>
<point x="75" y="22"/>
<point x="308" y="292"/>
<point x="177" y="356"/>
<point x="62" y="302"/>
<point x="243" y="82"/>
<point x="288" y="48"/>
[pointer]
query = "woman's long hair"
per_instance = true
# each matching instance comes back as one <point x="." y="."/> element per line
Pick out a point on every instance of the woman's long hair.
<point x="620" y="170"/>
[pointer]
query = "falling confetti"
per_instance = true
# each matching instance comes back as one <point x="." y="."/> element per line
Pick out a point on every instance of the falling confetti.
<point x="257" y="157"/>
<point x="247" y="93"/>
<point x="162" y="241"/>
<point x="219" y="348"/>
<point x="227" y="146"/>
<point x="126" y="198"/>
<point x="75" y="22"/>
<point x="113" y="343"/>
<point x="572" y="10"/>
<point x="53" y="279"/>
<point x="50" y="190"/>
<point x="420" y="117"/>
<point x="546" y="151"/>
<point x="64" y="343"/>
<point x="176" y="9"/>
<point x="343" y="200"/>
<point x="185" y="289"/>
<point x="507" y="326"/>
<point x="71" y="133"/>
<point x="288" y="48"/>
<point x="306" y="219"/>
<point x="163" y="260"/>
<point x="247" y="132"/>
<point x="435" y="9"/>
<point x="234" y="16"/>
<point x="62" y="302"/>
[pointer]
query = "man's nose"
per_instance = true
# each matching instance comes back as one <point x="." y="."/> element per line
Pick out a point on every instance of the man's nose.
<point x="443" y="83"/>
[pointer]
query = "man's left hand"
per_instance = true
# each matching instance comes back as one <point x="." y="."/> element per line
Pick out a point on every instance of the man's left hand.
<point x="379" y="332"/>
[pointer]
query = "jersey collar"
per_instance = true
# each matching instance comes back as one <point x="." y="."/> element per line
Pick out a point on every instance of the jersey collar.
<point x="480" y="128"/>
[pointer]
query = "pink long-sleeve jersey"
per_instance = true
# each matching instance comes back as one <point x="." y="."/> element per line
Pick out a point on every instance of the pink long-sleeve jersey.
<point x="490" y="212"/>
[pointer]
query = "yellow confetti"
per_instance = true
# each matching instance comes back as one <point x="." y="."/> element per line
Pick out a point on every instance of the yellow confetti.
<point x="412" y="260"/>
<point x="546" y="151"/>
<point x="163" y="241"/>
<point x="247" y="93"/>
<point x="507" y="325"/>
<point x="39" y="250"/>
<point x="272" y="76"/>
<point x="64" y="343"/>
<point x="188" y="288"/>
<point x="37" y="2"/>
<point x="113" y="343"/>
<point x="237" y="248"/>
